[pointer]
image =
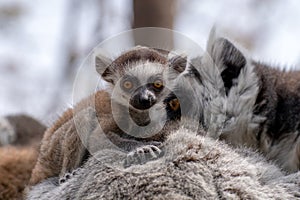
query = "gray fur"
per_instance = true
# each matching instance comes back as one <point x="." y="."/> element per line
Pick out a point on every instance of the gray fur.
<point x="20" y="130"/>
<point x="241" y="125"/>
<point x="193" y="167"/>
<point x="141" y="66"/>
<point x="256" y="97"/>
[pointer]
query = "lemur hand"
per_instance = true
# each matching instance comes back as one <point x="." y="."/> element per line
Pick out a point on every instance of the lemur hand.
<point x="143" y="154"/>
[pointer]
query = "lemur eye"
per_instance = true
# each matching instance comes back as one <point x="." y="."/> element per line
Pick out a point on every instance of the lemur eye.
<point x="174" y="104"/>
<point x="127" y="85"/>
<point x="158" y="84"/>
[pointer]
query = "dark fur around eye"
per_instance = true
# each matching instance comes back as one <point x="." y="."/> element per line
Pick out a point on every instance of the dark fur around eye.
<point x="156" y="83"/>
<point x="128" y="83"/>
<point x="171" y="113"/>
<point x="174" y="104"/>
<point x="157" y="89"/>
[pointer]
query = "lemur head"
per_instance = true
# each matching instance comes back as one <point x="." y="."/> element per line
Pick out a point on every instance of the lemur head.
<point x="143" y="77"/>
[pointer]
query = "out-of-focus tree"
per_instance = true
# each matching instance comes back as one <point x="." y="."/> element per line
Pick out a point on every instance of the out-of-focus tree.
<point x="153" y="13"/>
<point x="69" y="51"/>
<point x="9" y="14"/>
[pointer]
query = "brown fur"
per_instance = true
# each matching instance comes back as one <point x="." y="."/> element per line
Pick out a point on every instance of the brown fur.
<point x="29" y="131"/>
<point x="279" y="101"/>
<point x="62" y="149"/>
<point x="62" y="142"/>
<point x="18" y="158"/>
<point x="52" y="158"/>
<point x="135" y="55"/>
<point x="101" y="102"/>
<point x="16" y="164"/>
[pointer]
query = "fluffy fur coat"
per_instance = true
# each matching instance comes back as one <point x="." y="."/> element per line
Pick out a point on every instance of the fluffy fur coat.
<point x="19" y="142"/>
<point x="193" y="167"/>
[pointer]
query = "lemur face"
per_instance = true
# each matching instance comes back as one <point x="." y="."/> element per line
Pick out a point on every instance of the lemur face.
<point x="144" y="85"/>
<point x="142" y="78"/>
<point x="142" y="96"/>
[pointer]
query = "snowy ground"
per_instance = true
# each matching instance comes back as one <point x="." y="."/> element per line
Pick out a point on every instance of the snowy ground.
<point x="31" y="56"/>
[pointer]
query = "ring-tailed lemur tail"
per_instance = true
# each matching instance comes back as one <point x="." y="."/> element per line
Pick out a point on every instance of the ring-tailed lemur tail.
<point x="263" y="104"/>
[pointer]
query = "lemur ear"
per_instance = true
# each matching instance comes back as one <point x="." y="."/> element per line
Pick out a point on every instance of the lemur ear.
<point x="227" y="57"/>
<point x="102" y="64"/>
<point x="177" y="61"/>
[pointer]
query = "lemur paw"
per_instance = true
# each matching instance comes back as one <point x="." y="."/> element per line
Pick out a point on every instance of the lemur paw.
<point x="142" y="154"/>
<point x="68" y="175"/>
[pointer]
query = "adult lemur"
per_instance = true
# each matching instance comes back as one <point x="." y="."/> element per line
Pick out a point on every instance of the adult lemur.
<point x="262" y="104"/>
<point x="130" y="113"/>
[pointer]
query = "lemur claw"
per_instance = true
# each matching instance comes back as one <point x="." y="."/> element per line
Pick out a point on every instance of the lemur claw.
<point x="142" y="154"/>
<point x="68" y="175"/>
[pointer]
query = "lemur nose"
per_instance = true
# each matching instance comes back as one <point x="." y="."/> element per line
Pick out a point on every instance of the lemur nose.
<point x="146" y="102"/>
<point x="143" y="100"/>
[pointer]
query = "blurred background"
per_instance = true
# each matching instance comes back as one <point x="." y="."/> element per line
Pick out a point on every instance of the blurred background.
<point x="42" y="43"/>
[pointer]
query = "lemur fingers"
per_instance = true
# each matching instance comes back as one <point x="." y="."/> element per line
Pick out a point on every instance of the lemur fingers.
<point x="68" y="175"/>
<point x="142" y="154"/>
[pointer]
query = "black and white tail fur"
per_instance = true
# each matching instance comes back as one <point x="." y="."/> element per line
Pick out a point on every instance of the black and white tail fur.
<point x="262" y="104"/>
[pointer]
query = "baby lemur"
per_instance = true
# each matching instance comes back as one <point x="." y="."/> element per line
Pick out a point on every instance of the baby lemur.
<point x="133" y="113"/>
<point x="262" y="104"/>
